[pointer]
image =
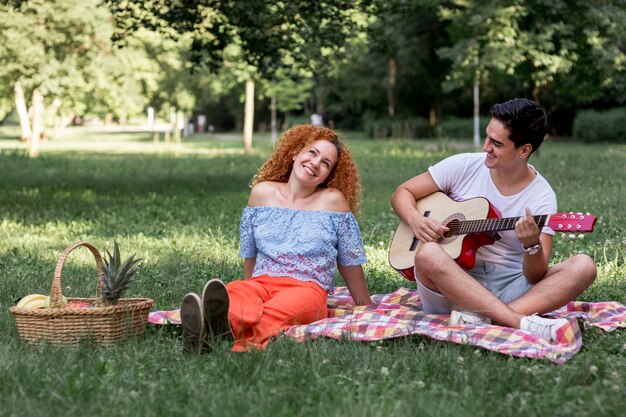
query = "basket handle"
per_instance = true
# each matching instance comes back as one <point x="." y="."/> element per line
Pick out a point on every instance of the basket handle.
<point x="56" y="292"/>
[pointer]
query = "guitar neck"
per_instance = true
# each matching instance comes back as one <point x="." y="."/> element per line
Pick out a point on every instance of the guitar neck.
<point x="494" y="225"/>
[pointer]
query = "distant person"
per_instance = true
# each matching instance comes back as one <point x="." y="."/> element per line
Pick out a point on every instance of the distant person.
<point x="317" y="120"/>
<point x="511" y="282"/>
<point x="297" y="229"/>
<point x="201" y="123"/>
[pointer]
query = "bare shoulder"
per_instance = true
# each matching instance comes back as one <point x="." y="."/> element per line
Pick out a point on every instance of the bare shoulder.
<point x="331" y="199"/>
<point x="262" y="193"/>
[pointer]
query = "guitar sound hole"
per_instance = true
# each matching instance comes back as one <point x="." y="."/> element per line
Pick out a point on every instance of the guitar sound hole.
<point x="453" y="225"/>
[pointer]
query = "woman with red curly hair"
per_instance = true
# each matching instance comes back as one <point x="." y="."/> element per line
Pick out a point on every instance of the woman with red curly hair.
<point x="297" y="229"/>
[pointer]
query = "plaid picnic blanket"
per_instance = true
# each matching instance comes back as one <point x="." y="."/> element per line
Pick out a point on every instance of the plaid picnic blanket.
<point x="400" y="314"/>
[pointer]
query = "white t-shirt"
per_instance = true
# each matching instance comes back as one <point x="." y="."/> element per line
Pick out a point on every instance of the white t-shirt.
<point x="465" y="176"/>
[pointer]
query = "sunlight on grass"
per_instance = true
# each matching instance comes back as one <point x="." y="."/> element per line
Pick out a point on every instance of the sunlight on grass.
<point x="118" y="147"/>
<point x="180" y="212"/>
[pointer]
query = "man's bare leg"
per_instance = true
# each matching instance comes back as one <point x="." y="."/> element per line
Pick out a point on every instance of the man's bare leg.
<point x="563" y="282"/>
<point x="438" y="271"/>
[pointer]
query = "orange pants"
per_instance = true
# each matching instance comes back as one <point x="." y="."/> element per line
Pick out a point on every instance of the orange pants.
<point x="264" y="306"/>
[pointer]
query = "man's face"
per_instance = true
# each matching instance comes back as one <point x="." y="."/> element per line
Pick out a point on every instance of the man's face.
<point x="501" y="151"/>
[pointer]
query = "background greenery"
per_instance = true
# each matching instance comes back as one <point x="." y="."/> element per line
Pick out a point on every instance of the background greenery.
<point x="178" y="207"/>
<point x="357" y="61"/>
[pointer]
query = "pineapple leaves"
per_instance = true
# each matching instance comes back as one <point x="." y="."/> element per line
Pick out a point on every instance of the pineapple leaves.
<point x="116" y="275"/>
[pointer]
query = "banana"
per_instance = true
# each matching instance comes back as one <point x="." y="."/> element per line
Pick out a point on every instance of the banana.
<point x="33" y="301"/>
<point x="47" y="303"/>
<point x="36" y="303"/>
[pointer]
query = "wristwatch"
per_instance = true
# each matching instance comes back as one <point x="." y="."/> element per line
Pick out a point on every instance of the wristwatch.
<point x="532" y="249"/>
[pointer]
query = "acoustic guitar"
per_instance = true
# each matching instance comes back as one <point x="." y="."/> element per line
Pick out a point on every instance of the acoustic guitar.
<point x="473" y="223"/>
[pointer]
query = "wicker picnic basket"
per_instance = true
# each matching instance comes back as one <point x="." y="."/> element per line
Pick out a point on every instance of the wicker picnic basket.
<point x="68" y="326"/>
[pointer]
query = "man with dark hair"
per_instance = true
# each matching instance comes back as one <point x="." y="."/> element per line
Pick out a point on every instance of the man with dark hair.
<point x="511" y="281"/>
<point x="525" y="120"/>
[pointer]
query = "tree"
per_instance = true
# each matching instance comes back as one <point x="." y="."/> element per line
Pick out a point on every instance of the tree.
<point x="395" y="71"/>
<point x="598" y="39"/>
<point x="488" y="38"/>
<point x="408" y="34"/>
<point x="568" y="46"/>
<point x="271" y="34"/>
<point x="287" y="91"/>
<point x="162" y="67"/>
<point x="267" y="31"/>
<point x="62" y="50"/>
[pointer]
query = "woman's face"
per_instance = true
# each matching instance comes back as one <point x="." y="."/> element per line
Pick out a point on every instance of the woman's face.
<point x="315" y="162"/>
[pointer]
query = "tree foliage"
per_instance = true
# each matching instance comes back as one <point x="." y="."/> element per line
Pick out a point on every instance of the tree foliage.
<point x="572" y="46"/>
<point x="63" y="48"/>
<point x="270" y="33"/>
<point x="353" y="59"/>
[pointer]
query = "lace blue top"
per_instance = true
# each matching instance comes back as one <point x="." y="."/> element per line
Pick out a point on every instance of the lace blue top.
<point x="303" y="244"/>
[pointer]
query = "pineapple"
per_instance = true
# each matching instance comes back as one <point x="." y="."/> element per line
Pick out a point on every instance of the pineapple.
<point x="116" y="276"/>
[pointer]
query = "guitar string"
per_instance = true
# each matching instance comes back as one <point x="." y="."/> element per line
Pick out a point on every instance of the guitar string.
<point x="493" y="225"/>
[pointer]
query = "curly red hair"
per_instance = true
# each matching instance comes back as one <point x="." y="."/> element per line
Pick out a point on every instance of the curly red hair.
<point x="344" y="176"/>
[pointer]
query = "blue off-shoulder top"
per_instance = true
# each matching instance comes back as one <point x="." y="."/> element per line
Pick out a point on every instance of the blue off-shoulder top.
<point x="303" y="244"/>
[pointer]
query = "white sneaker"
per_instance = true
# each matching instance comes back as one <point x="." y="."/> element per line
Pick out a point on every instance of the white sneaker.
<point x="542" y="327"/>
<point x="459" y="318"/>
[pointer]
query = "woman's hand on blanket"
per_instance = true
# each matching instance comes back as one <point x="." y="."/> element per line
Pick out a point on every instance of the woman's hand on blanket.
<point x="355" y="281"/>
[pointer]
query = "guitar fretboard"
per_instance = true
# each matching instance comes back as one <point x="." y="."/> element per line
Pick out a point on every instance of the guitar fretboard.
<point x="493" y="225"/>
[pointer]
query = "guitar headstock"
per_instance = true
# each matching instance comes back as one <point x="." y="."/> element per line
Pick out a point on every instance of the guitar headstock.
<point x="572" y="222"/>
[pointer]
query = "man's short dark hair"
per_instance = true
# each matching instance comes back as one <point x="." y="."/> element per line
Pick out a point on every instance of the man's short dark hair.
<point x="526" y="120"/>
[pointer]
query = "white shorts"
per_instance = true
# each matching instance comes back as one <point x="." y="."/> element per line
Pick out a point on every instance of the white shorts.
<point x="507" y="284"/>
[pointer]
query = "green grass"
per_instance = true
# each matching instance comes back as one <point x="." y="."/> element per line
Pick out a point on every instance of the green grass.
<point x="178" y="207"/>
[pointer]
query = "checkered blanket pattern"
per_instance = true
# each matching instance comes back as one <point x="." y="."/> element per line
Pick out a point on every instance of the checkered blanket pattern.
<point x="400" y="314"/>
<point x="165" y="317"/>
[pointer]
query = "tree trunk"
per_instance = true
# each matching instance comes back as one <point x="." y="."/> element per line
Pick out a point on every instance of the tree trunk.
<point x="172" y="127"/>
<point x="476" y="113"/>
<point x="434" y="118"/>
<point x="248" y="117"/>
<point x="22" y="111"/>
<point x="33" y="146"/>
<point x="150" y="117"/>
<point x="535" y="93"/>
<point x="61" y="124"/>
<point x="435" y="115"/>
<point x="320" y="93"/>
<point x="53" y="110"/>
<point x="274" y="124"/>
<point x="179" y="126"/>
<point x="391" y="86"/>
